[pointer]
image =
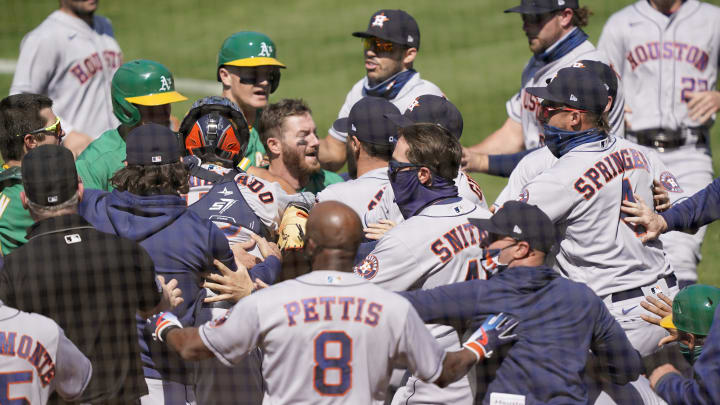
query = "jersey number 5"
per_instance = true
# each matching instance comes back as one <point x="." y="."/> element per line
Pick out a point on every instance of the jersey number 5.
<point x="339" y="381"/>
<point x="6" y="382"/>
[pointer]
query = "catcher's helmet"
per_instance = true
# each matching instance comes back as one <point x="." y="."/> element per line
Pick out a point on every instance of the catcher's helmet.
<point x="141" y="82"/>
<point x="250" y="49"/>
<point x="215" y="128"/>
<point x="693" y="309"/>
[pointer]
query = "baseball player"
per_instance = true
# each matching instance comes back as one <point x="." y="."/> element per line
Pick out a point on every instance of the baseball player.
<point x="667" y="54"/>
<point x="555" y="37"/>
<point x="249" y="71"/>
<point x="142" y="91"/>
<point x="71" y="57"/>
<point x="38" y="359"/>
<point x="428" y="109"/>
<point x="435" y="245"/>
<point x="391" y="43"/>
<point x="357" y="331"/>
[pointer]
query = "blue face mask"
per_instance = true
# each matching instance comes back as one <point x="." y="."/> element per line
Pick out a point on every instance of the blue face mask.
<point x="560" y="141"/>
<point x="411" y="196"/>
<point x="689" y="355"/>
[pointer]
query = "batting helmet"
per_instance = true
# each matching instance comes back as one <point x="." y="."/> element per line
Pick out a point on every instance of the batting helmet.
<point x="693" y="309"/>
<point x="141" y="82"/>
<point x="250" y="49"/>
<point x="215" y="128"/>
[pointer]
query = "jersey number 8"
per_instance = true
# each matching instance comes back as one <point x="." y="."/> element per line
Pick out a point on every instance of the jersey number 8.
<point x="340" y="362"/>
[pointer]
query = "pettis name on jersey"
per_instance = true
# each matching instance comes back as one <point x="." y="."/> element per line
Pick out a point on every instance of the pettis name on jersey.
<point x="344" y="308"/>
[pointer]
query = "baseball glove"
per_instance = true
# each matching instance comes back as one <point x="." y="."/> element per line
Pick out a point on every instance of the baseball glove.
<point x="292" y="227"/>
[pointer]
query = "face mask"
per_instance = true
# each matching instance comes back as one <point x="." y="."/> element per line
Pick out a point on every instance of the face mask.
<point x="411" y="196"/>
<point x="689" y="355"/>
<point x="490" y="261"/>
<point x="560" y="141"/>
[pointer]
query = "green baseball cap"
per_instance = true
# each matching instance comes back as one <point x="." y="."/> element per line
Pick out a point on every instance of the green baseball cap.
<point x="248" y="48"/>
<point x="693" y="309"/>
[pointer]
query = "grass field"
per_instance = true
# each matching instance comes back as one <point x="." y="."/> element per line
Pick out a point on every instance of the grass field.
<point x="469" y="48"/>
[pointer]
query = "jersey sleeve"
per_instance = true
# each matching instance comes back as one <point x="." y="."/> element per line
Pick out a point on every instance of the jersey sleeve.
<point x="527" y="169"/>
<point x="698" y="210"/>
<point x="514" y="107"/>
<point x="391" y="264"/>
<point x="418" y="351"/>
<point x="667" y="179"/>
<point x="72" y="369"/>
<point x="452" y="304"/>
<point x="611" y="43"/>
<point x="543" y="191"/>
<point x="385" y="209"/>
<point x="36" y="64"/>
<point x="231" y="337"/>
<point x="470" y="190"/>
<point x="265" y="203"/>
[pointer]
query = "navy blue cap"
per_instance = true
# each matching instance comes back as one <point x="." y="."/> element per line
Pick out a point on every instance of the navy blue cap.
<point x="49" y="176"/>
<point x="434" y="110"/>
<point x="395" y="26"/>
<point x="520" y="221"/>
<point x="152" y="144"/>
<point x="575" y="87"/>
<point x="369" y="123"/>
<point x="542" y="6"/>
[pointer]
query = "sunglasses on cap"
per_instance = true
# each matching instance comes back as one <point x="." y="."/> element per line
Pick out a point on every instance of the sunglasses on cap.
<point x="547" y="111"/>
<point x="55" y="129"/>
<point x="395" y="167"/>
<point x="377" y="45"/>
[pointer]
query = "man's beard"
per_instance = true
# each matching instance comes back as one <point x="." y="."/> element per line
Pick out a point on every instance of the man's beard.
<point x="295" y="162"/>
<point x="351" y="161"/>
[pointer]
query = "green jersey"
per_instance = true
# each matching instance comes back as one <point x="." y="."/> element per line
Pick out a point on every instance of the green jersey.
<point x="320" y="180"/>
<point x="255" y="155"/>
<point x="101" y="159"/>
<point x="14" y="219"/>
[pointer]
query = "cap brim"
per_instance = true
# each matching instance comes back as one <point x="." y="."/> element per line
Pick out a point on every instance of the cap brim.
<point x="252" y="62"/>
<point x="544" y="93"/>
<point x="342" y="125"/>
<point x="157" y="98"/>
<point x="486" y="225"/>
<point x="367" y="34"/>
<point x="529" y="10"/>
<point x="667" y="322"/>
<point x="399" y="120"/>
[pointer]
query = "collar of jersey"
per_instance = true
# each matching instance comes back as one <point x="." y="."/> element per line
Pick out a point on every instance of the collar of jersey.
<point x="330" y="278"/>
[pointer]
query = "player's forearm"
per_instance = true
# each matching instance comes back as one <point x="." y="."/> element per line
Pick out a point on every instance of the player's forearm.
<point x="507" y="139"/>
<point x="455" y="366"/>
<point x="332" y="153"/>
<point x="448" y="305"/>
<point x="700" y="209"/>
<point x="503" y="165"/>
<point x="187" y="342"/>
<point x="676" y="389"/>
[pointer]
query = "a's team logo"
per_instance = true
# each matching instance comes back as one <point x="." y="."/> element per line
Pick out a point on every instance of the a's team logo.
<point x="414" y="104"/>
<point x="670" y="182"/>
<point x="221" y="320"/>
<point x="225" y="192"/>
<point x="265" y="50"/>
<point x="368" y="268"/>
<point x="166" y="83"/>
<point x="380" y="20"/>
<point x="223" y="205"/>
<point x="524" y="196"/>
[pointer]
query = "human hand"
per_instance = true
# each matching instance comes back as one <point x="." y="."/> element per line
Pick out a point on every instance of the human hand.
<point x="376" y="231"/>
<point x="493" y="333"/>
<point x="661" y="197"/>
<point x="171" y="294"/>
<point x="242" y="257"/>
<point x="661" y="371"/>
<point x="230" y="285"/>
<point x="474" y="161"/>
<point x="266" y="248"/>
<point x="703" y="104"/>
<point x="641" y="214"/>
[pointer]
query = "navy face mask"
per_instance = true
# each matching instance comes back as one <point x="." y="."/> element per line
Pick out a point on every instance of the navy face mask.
<point x="560" y="141"/>
<point x="411" y="196"/>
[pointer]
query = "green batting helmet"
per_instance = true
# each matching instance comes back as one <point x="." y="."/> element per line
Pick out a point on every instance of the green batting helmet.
<point x="141" y="82"/>
<point x="693" y="309"/>
<point x="250" y="49"/>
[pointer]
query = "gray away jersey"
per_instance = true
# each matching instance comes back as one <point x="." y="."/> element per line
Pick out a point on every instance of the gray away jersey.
<point x="582" y="193"/>
<point x="523" y="106"/>
<point x="327" y="338"/>
<point x="384" y="207"/>
<point x="73" y="64"/>
<point x="361" y="194"/>
<point x="661" y="59"/>
<point x="414" y="88"/>
<point x="37" y="359"/>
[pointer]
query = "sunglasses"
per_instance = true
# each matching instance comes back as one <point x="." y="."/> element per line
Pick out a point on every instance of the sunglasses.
<point x="395" y="167"/>
<point x="253" y="77"/>
<point x="55" y="129"/>
<point x="534" y="19"/>
<point x="377" y="45"/>
<point x="547" y="111"/>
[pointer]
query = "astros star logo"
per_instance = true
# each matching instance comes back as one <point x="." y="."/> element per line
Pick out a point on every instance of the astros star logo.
<point x="380" y="20"/>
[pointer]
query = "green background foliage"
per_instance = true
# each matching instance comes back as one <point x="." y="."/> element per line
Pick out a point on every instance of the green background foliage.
<point x="469" y="48"/>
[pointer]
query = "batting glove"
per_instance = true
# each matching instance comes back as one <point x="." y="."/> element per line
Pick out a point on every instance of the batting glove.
<point x="163" y="323"/>
<point x="493" y="333"/>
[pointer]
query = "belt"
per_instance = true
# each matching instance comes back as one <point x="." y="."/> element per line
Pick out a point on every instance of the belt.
<point x="671" y="281"/>
<point x="663" y="139"/>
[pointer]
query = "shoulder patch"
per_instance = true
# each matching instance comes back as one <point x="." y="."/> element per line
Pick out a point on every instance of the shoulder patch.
<point x="670" y="182"/>
<point x="368" y="268"/>
<point x="221" y="319"/>
<point x="524" y="196"/>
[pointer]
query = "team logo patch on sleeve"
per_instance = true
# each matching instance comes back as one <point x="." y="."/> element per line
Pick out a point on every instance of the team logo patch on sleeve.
<point x="670" y="182"/>
<point x="368" y="268"/>
<point x="221" y="319"/>
<point x="524" y="196"/>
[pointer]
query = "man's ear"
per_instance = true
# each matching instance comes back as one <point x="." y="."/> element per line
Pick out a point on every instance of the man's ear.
<point x="425" y="176"/>
<point x="609" y="104"/>
<point x="310" y="247"/>
<point x="274" y="146"/>
<point x="523" y="250"/>
<point x="225" y="77"/>
<point x="29" y="142"/>
<point x="23" y="199"/>
<point x="409" y="56"/>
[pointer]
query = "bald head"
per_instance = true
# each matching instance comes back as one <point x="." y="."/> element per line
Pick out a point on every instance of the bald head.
<point x="333" y="225"/>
